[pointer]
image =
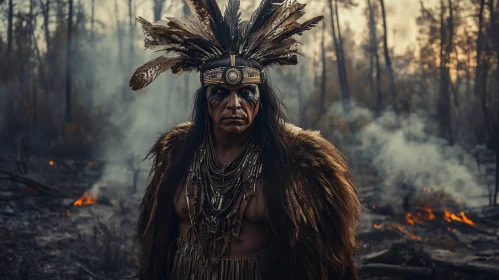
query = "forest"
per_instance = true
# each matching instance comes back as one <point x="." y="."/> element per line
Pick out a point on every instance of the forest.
<point x="413" y="104"/>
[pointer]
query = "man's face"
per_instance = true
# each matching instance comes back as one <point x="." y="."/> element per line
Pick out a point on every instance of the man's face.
<point x="233" y="109"/>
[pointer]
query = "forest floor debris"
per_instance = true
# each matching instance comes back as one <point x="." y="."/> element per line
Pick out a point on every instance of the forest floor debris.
<point x="47" y="237"/>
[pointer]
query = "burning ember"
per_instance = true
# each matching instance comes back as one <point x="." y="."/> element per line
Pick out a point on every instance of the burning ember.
<point x="426" y="214"/>
<point x="85" y="199"/>
<point x="51" y="162"/>
<point x="66" y="213"/>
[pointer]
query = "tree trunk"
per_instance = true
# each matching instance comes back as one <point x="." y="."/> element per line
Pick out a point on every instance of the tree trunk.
<point x="68" y="64"/>
<point x="495" y="36"/>
<point x="9" y="28"/>
<point x="389" y="67"/>
<point x="92" y="21"/>
<point x="346" y="96"/>
<point x="374" y="50"/>
<point x="443" y="100"/>
<point x="339" y="58"/>
<point x="131" y="30"/>
<point x="323" y="78"/>
<point x="119" y="34"/>
<point x="301" y="107"/>
<point x="158" y="8"/>
<point x="46" y="19"/>
<point x="497" y="134"/>
<point x="477" y="92"/>
<point x="448" y="51"/>
<point x="30" y="47"/>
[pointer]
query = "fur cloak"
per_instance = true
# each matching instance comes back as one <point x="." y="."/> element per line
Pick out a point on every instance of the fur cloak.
<point x="322" y="207"/>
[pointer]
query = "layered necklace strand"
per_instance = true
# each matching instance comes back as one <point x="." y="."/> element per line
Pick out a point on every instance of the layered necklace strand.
<point x="217" y="195"/>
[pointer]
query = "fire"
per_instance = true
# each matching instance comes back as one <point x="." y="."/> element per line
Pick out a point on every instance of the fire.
<point x="449" y="216"/>
<point x="51" y="162"/>
<point x="376" y="226"/>
<point x="404" y="231"/>
<point x="85" y="199"/>
<point x="425" y="214"/>
<point x="66" y="213"/>
<point x="90" y="163"/>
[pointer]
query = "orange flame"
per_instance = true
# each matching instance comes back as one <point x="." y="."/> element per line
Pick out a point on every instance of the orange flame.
<point x="449" y="216"/>
<point x="51" y="162"/>
<point x="425" y="214"/>
<point x="85" y="199"/>
<point x="376" y="226"/>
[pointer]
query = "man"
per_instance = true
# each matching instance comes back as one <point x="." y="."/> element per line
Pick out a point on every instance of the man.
<point x="238" y="193"/>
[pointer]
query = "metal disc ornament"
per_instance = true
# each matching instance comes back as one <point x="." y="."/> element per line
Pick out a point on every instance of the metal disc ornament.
<point x="233" y="76"/>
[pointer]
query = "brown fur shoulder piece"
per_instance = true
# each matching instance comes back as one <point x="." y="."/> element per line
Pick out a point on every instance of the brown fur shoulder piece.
<point x="324" y="207"/>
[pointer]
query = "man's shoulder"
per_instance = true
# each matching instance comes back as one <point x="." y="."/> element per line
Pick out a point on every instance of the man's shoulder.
<point x="171" y="139"/>
<point x="309" y="147"/>
<point x="177" y="131"/>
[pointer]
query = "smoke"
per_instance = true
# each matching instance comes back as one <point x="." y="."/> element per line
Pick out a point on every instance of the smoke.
<point x="411" y="155"/>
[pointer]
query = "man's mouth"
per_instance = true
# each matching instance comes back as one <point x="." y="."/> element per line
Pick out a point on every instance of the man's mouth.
<point x="233" y="118"/>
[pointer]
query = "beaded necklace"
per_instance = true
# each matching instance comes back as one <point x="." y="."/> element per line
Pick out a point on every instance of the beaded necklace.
<point x="218" y="194"/>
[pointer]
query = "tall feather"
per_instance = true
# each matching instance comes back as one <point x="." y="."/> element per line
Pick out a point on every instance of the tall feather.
<point x="307" y="25"/>
<point x="145" y="74"/>
<point x="286" y="15"/>
<point x="259" y="17"/>
<point x="232" y="19"/>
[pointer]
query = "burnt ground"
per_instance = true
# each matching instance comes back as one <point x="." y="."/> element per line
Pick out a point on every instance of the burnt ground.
<point x="44" y="236"/>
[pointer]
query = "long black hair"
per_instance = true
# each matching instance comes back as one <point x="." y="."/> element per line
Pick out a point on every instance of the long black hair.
<point x="269" y="133"/>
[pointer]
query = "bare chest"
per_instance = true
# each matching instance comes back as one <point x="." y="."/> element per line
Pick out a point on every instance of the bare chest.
<point x="254" y="211"/>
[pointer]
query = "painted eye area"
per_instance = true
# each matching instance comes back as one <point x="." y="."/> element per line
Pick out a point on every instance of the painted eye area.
<point x="218" y="94"/>
<point x="248" y="93"/>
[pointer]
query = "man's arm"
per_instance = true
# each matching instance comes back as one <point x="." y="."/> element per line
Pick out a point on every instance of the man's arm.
<point x="326" y="209"/>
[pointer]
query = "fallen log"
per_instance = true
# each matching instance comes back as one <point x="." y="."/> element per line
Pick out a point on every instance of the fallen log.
<point x="47" y="190"/>
<point x="459" y="262"/>
<point x="392" y="269"/>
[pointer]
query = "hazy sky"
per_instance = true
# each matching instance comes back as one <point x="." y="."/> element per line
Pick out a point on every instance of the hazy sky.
<point x="401" y="16"/>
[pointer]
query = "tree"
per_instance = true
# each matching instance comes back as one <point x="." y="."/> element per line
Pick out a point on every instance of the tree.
<point x="68" y="64"/>
<point x="158" y="8"/>
<point x="92" y="21"/>
<point x="388" y="61"/>
<point x="443" y="106"/>
<point x="323" y="78"/>
<point x="374" y="52"/>
<point x="494" y="30"/>
<point x="131" y="29"/>
<point x="9" y="28"/>
<point x="335" y="24"/>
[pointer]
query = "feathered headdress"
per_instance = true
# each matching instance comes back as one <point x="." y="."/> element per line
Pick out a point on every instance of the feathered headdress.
<point x="190" y="42"/>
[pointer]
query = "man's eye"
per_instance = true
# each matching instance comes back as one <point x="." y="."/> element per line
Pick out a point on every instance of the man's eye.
<point x="220" y="91"/>
<point x="246" y="91"/>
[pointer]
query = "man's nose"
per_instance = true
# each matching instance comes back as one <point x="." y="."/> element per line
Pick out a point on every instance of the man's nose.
<point x="234" y="102"/>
